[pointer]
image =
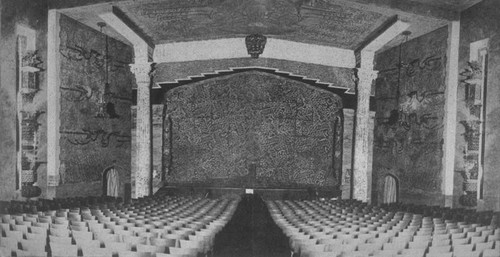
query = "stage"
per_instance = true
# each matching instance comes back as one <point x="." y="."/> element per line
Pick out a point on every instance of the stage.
<point x="283" y="193"/>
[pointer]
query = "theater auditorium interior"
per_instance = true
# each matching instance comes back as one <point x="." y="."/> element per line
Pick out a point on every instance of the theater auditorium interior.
<point x="250" y="128"/>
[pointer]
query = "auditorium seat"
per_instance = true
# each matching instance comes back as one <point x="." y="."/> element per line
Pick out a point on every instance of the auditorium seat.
<point x="188" y="252"/>
<point x="467" y="254"/>
<point x="439" y="254"/>
<point x="134" y="254"/>
<point x="22" y="253"/>
<point x="133" y="241"/>
<point x="11" y="243"/>
<point x="139" y="226"/>
<point x="163" y="242"/>
<point x="96" y="252"/>
<point x="170" y="255"/>
<point x="18" y="235"/>
<point x="151" y="248"/>
<point x="491" y="253"/>
<point x="345" y="224"/>
<point x="482" y="246"/>
<point x="386" y="253"/>
<point x="34" y="246"/>
<point x="39" y="237"/>
<point x="63" y="250"/>
<point x="415" y="252"/>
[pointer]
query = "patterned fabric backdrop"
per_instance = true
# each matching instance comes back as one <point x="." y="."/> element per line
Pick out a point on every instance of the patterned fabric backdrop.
<point x="252" y="129"/>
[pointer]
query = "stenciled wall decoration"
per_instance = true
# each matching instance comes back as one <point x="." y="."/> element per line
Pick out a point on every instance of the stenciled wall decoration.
<point x="252" y="129"/>
<point x="89" y="143"/>
<point x="474" y="84"/>
<point x="409" y="119"/>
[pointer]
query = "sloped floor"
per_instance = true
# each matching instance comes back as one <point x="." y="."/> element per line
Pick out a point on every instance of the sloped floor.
<point x="251" y="233"/>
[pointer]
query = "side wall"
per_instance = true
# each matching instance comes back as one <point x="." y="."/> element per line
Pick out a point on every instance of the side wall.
<point x="480" y="22"/>
<point x="91" y="142"/>
<point x="409" y="120"/>
<point x="32" y="15"/>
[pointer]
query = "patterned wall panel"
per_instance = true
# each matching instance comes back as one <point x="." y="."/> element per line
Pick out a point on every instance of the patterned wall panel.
<point x="90" y="143"/>
<point x="410" y="110"/>
<point x="252" y="129"/>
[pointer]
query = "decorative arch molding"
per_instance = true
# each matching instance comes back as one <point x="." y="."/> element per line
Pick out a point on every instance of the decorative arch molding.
<point x="229" y="48"/>
<point x="348" y="95"/>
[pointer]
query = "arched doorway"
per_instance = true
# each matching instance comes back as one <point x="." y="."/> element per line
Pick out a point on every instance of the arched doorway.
<point x="391" y="189"/>
<point x="110" y="181"/>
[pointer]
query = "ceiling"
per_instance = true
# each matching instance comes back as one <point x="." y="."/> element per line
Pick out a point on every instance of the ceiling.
<point x="339" y="23"/>
<point x="454" y="5"/>
<point x="323" y="23"/>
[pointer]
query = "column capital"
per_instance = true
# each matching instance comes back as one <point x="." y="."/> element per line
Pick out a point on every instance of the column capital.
<point x="365" y="76"/>
<point x="143" y="72"/>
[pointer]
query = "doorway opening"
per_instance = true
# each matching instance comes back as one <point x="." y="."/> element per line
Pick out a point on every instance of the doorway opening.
<point x="391" y="189"/>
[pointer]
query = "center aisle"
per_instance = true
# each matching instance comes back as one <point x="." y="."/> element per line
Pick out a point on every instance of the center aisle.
<point x="251" y="233"/>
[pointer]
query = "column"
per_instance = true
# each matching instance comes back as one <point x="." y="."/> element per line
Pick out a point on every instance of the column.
<point x="361" y="175"/>
<point x="53" y="104"/>
<point x="143" y="173"/>
<point x="450" y="114"/>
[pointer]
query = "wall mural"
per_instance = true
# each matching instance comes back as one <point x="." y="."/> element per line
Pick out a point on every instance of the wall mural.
<point x="91" y="142"/>
<point x="252" y="129"/>
<point x="410" y="111"/>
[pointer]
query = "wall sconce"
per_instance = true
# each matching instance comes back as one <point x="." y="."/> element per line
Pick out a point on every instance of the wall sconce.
<point x="29" y="73"/>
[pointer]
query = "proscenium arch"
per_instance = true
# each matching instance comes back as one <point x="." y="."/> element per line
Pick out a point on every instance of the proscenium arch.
<point x="330" y="121"/>
<point x="349" y="100"/>
<point x="229" y="48"/>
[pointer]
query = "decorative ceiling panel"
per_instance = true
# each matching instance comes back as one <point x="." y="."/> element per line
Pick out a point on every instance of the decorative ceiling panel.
<point x="455" y="5"/>
<point x="318" y="22"/>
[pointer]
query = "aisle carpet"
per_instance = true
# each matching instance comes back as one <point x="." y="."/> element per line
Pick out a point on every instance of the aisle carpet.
<point x="251" y="233"/>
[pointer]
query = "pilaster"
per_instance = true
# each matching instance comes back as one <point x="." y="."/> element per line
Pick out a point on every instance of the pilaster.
<point x="144" y="73"/>
<point x="361" y="176"/>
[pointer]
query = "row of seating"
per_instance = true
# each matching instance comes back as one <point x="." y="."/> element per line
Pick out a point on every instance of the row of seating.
<point x="35" y="205"/>
<point x="447" y="213"/>
<point x="154" y="226"/>
<point x="347" y="228"/>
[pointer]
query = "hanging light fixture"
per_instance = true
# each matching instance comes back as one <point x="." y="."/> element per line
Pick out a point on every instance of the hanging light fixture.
<point x="102" y="101"/>
<point x="395" y="115"/>
<point x="406" y="34"/>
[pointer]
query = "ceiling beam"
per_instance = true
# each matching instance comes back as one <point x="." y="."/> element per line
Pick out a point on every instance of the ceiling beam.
<point x="229" y="48"/>
<point x="365" y="53"/>
<point x="143" y="45"/>
<point x="383" y="35"/>
<point x="57" y="4"/>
